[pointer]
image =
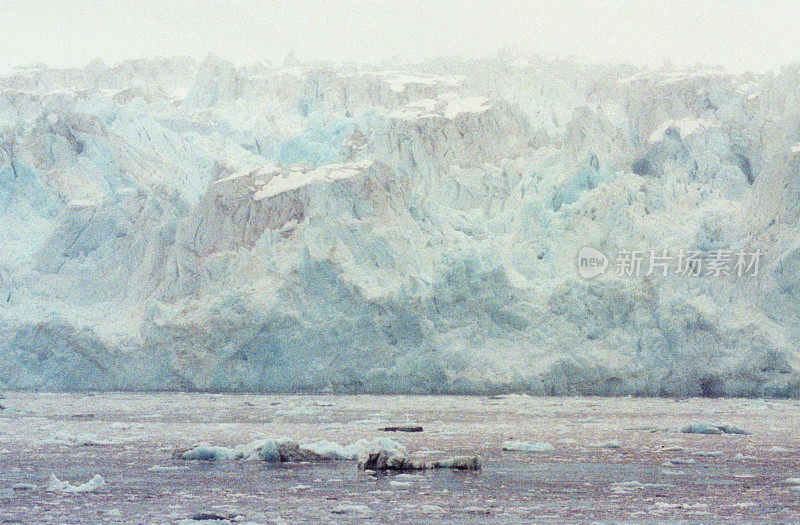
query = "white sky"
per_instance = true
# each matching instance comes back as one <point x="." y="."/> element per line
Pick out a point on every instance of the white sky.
<point x="755" y="35"/>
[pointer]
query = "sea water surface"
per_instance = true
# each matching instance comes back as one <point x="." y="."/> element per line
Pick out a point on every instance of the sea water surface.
<point x="612" y="460"/>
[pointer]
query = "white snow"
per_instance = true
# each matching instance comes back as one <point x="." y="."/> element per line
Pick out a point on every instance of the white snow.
<point x="260" y="173"/>
<point x="684" y="127"/>
<point x="292" y="180"/>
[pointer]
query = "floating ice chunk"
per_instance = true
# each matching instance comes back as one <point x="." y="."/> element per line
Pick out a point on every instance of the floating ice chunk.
<point x="792" y="481"/>
<point x="730" y="429"/>
<point x="683" y="506"/>
<point x="524" y="446"/>
<point x="409" y="477"/>
<point x="211" y="517"/>
<point x="206" y="452"/>
<point x="403" y="484"/>
<point x="704" y="428"/>
<point x="56" y="485"/>
<point x="458" y="463"/>
<point x="332" y="450"/>
<point x="352" y="451"/>
<point x="629" y="486"/>
<point x="701" y="428"/>
<point x="388" y="455"/>
<point x="362" y="449"/>
<point x="385" y="460"/>
<point x="160" y="468"/>
<point x="269" y="450"/>
<point x="263" y="450"/>
<point x="402" y="428"/>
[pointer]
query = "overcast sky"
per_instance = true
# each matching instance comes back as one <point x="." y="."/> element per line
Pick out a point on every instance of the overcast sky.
<point x="738" y="35"/>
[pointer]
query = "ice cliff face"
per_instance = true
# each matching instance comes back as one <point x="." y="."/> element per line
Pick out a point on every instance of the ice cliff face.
<point x="172" y="225"/>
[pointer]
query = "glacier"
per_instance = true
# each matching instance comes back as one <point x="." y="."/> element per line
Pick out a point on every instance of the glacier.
<point x="337" y="227"/>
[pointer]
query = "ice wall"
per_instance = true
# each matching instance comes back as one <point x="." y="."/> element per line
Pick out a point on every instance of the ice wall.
<point x="172" y="225"/>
